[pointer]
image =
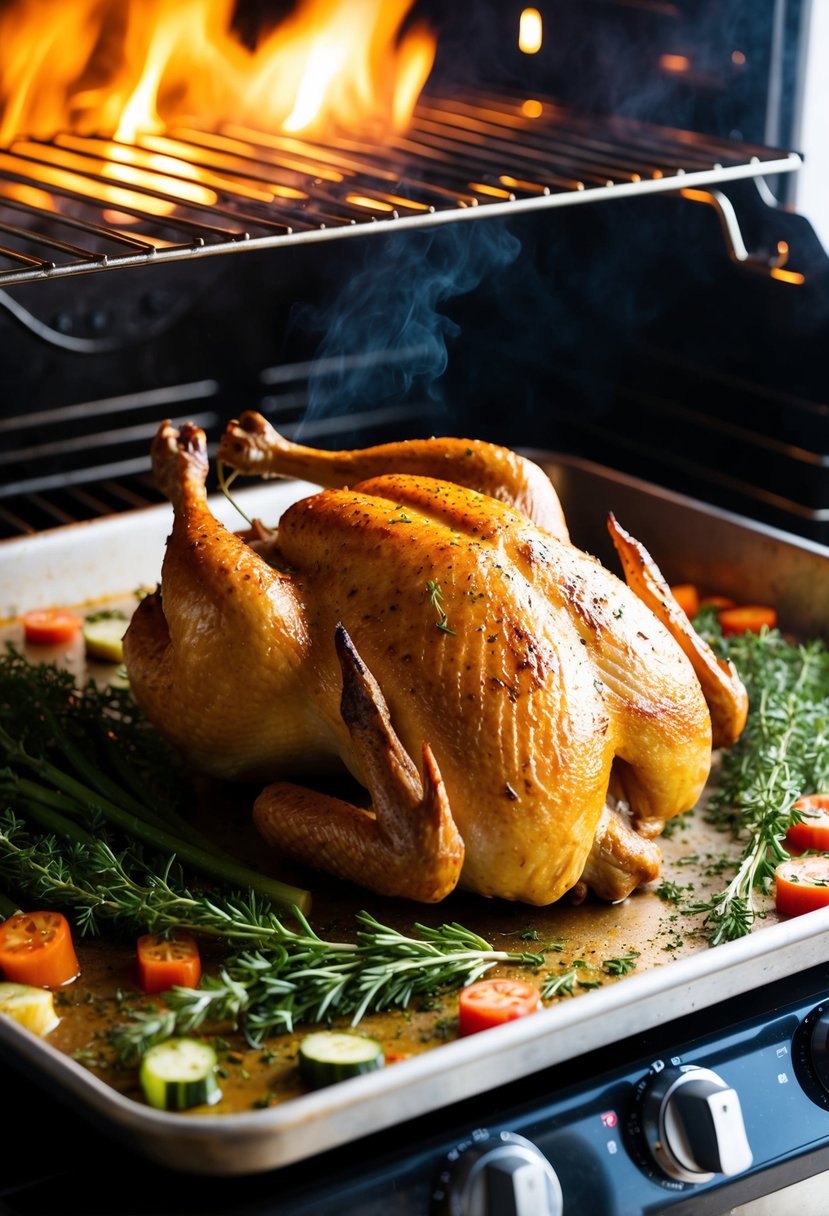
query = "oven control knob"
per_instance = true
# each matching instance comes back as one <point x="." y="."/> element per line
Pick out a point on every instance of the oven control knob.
<point x="693" y="1124"/>
<point x="819" y="1045"/>
<point x="497" y="1174"/>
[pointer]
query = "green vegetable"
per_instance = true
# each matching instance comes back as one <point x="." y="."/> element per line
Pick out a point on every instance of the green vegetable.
<point x="103" y="638"/>
<point x="327" y="1057"/>
<point x="782" y="754"/>
<point x="179" y="1074"/>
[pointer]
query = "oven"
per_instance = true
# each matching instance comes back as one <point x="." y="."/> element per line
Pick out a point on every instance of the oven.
<point x="585" y="243"/>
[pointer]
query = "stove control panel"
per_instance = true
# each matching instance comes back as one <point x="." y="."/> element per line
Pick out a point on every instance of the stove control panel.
<point x="699" y="1116"/>
<point x="714" y="1112"/>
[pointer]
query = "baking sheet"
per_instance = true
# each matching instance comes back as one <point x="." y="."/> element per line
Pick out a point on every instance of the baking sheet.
<point x="676" y="971"/>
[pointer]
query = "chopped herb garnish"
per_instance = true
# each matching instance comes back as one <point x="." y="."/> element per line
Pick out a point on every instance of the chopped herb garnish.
<point x="622" y="965"/>
<point x="435" y="599"/>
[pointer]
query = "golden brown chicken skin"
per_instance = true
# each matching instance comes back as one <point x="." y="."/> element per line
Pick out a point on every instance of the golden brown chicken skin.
<point x="484" y="680"/>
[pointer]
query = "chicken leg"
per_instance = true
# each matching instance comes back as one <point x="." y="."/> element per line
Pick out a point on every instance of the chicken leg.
<point x="251" y="445"/>
<point x="408" y="844"/>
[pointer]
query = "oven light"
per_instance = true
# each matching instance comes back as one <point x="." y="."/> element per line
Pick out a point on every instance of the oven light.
<point x="674" y="63"/>
<point x="530" y="31"/>
<point x="787" y="276"/>
<point x="531" y="108"/>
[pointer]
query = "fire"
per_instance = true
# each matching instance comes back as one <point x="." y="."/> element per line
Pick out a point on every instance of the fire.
<point x="124" y="68"/>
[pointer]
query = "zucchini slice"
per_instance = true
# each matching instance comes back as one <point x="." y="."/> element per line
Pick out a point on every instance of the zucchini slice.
<point x="328" y="1056"/>
<point x="180" y="1073"/>
<point x="33" y="1008"/>
<point x="103" y="638"/>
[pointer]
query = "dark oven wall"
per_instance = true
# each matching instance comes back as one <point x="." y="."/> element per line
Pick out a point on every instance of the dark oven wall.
<point x="622" y="331"/>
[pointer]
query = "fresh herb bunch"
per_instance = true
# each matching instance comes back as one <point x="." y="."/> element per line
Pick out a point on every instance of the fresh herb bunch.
<point x="782" y="754"/>
<point x="77" y="758"/>
<point x="129" y="891"/>
<point x="308" y="979"/>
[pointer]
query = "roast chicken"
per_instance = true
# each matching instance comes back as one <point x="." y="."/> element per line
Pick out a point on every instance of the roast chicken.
<point x="523" y="722"/>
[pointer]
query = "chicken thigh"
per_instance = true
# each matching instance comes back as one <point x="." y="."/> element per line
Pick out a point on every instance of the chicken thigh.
<point x="523" y="722"/>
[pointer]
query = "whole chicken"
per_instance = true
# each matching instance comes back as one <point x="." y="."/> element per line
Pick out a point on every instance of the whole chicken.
<point x="523" y="722"/>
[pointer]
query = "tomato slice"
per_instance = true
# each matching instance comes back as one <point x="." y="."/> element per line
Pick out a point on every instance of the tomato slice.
<point x="802" y="884"/>
<point x="164" y="962"/>
<point x="36" y="948"/>
<point x="493" y="1002"/>
<point x="50" y="626"/>
<point x="747" y="618"/>
<point x="813" y="830"/>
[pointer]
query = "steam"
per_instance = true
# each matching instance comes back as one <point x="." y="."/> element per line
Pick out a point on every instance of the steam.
<point x="384" y="336"/>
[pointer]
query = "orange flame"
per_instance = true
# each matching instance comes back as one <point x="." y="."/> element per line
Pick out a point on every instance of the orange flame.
<point x="123" y="67"/>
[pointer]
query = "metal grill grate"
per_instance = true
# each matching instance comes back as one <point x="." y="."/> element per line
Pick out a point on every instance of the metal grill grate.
<point x="90" y="460"/>
<point x="77" y="204"/>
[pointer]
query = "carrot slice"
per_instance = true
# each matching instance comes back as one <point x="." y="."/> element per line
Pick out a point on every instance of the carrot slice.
<point x="164" y="962"/>
<point x="747" y="618"/>
<point x="812" y="832"/>
<point x="716" y="601"/>
<point x="50" y="626"/>
<point x="687" y="596"/>
<point x="36" y="948"/>
<point x="801" y="884"/>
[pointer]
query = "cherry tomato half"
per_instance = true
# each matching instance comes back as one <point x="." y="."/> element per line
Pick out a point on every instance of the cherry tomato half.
<point x="36" y="948"/>
<point x="50" y="626"/>
<point x="493" y="1002"/>
<point x="813" y="830"/>
<point x="801" y="885"/>
<point x="164" y="962"/>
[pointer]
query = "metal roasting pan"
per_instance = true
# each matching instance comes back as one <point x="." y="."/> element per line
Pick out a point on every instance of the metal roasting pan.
<point x="690" y="541"/>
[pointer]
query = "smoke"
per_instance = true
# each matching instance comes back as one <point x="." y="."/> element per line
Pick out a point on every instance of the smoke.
<point x="384" y="335"/>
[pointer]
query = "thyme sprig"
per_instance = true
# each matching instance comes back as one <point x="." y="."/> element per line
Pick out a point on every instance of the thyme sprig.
<point x="308" y="979"/>
<point x="436" y="600"/>
<point x="782" y="754"/>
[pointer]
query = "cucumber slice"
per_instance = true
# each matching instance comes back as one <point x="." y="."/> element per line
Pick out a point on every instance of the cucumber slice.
<point x="328" y="1056"/>
<point x="180" y="1073"/>
<point x="33" y="1008"/>
<point x="103" y="638"/>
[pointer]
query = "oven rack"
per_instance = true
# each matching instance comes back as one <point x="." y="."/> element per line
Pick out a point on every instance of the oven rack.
<point x="77" y="204"/>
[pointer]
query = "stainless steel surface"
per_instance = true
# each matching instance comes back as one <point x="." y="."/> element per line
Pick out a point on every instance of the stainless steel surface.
<point x="103" y="558"/>
<point x="464" y="157"/>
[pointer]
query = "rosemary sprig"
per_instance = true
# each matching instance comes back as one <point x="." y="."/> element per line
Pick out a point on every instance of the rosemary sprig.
<point x="309" y="980"/>
<point x="782" y="753"/>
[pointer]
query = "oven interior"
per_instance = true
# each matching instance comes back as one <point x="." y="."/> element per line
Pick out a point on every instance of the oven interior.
<point x="549" y="256"/>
